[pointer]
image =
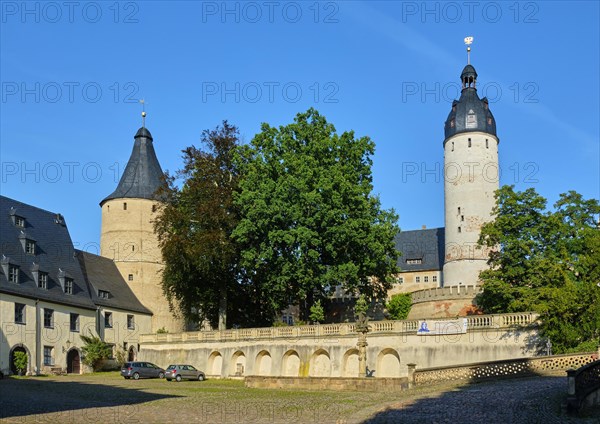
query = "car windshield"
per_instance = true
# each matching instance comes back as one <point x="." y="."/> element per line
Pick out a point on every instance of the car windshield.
<point x="171" y="367"/>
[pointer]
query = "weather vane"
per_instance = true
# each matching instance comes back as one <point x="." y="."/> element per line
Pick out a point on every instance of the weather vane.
<point x="143" y="102"/>
<point x="468" y="42"/>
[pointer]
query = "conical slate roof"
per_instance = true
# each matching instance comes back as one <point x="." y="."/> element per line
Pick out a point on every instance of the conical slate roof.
<point x="143" y="175"/>
<point x="469" y="113"/>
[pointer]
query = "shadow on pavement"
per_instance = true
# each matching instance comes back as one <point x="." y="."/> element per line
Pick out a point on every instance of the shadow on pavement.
<point x="71" y="401"/>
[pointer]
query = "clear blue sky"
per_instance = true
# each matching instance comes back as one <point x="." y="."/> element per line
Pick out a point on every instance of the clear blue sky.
<point x="71" y="76"/>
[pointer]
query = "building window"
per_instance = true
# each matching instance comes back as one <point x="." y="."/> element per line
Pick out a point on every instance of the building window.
<point x="426" y="279"/>
<point x="417" y="279"/>
<point x="68" y="285"/>
<point x="48" y="318"/>
<point x="462" y="217"/>
<point x="103" y="294"/>
<point x="124" y="206"/>
<point x="414" y="261"/>
<point x="19" y="221"/>
<point x="130" y="277"/>
<point x="459" y="210"/>
<point x="48" y="355"/>
<point x="13" y="273"/>
<point x="107" y="319"/>
<point x="30" y="247"/>
<point x="43" y="280"/>
<point x="130" y="322"/>
<point x="487" y="144"/>
<point x="19" y="313"/>
<point x="469" y="142"/>
<point x="434" y="278"/>
<point x="400" y="280"/>
<point x="74" y="322"/>
<point x="453" y="146"/>
<point x="459" y="230"/>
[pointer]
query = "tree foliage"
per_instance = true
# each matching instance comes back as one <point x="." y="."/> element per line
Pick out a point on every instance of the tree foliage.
<point x="94" y="350"/>
<point x="399" y="305"/>
<point x="20" y="361"/>
<point x="545" y="261"/>
<point x="308" y="219"/>
<point x="317" y="313"/>
<point x="200" y="278"/>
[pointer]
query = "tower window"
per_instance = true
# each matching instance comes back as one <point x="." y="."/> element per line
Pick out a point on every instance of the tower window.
<point x="130" y="277"/>
<point x="487" y="145"/>
<point x="452" y="123"/>
<point x="462" y="217"/>
<point x="453" y="146"/>
<point x="459" y="210"/>
<point x="459" y="230"/>
<point x="133" y="248"/>
<point x="124" y="206"/>
<point x="469" y="142"/>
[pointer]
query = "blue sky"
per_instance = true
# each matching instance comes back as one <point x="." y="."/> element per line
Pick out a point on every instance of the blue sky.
<point x="72" y="74"/>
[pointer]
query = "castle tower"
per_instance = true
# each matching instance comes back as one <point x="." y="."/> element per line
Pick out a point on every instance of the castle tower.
<point x="127" y="234"/>
<point x="470" y="180"/>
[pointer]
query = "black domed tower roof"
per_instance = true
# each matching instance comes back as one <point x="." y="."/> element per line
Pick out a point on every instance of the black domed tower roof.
<point x="143" y="175"/>
<point x="469" y="113"/>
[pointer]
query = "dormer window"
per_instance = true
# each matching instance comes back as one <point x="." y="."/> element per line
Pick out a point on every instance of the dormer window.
<point x="68" y="285"/>
<point x="43" y="280"/>
<point x="19" y="221"/>
<point x="13" y="274"/>
<point x="471" y="120"/>
<point x="30" y="247"/>
<point x="414" y="261"/>
<point x="103" y="294"/>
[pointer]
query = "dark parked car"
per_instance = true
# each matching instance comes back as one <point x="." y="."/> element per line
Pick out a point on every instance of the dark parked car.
<point x="137" y="370"/>
<point x="181" y="372"/>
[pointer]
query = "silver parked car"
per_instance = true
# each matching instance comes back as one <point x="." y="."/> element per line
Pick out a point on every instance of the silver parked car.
<point x="181" y="372"/>
<point x="137" y="370"/>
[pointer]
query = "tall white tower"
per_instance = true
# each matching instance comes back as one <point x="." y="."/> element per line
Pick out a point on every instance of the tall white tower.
<point x="470" y="179"/>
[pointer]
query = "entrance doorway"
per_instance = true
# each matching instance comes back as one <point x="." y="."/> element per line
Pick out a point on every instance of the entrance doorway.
<point x="73" y="362"/>
<point x="19" y="348"/>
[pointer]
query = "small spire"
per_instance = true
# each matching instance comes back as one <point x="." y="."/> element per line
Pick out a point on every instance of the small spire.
<point x="143" y="102"/>
<point x="468" y="42"/>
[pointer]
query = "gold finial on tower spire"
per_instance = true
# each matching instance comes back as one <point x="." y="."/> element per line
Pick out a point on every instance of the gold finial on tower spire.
<point x="143" y="102"/>
<point x="468" y="42"/>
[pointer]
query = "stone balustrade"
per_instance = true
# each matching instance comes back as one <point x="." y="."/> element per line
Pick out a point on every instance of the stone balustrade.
<point x="584" y="386"/>
<point x="474" y="322"/>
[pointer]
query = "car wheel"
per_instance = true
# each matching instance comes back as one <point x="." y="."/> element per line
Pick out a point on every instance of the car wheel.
<point x="136" y="376"/>
<point x="161" y="375"/>
<point x="178" y="378"/>
<point x="200" y="377"/>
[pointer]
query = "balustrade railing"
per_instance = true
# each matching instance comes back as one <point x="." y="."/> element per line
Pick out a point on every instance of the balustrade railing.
<point x="474" y="322"/>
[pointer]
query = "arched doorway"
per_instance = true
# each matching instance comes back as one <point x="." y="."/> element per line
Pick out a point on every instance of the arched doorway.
<point x="73" y="362"/>
<point x="131" y="354"/>
<point x="18" y="348"/>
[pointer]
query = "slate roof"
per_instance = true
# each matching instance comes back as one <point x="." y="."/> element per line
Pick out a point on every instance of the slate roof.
<point x="54" y="253"/>
<point x="469" y="104"/>
<point x="427" y="245"/>
<point x="102" y="274"/>
<point x="143" y="174"/>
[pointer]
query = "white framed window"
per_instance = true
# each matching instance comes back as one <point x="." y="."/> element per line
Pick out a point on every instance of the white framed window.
<point x="43" y="280"/>
<point x="417" y="279"/>
<point x="13" y="273"/>
<point x="30" y="247"/>
<point x="426" y="279"/>
<point x="400" y="280"/>
<point x="48" y="318"/>
<point x="74" y="322"/>
<point x="19" y="313"/>
<point x="48" y="357"/>
<point x="434" y="278"/>
<point x="68" y="285"/>
<point x="19" y="221"/>
<point x="103" y="294"/>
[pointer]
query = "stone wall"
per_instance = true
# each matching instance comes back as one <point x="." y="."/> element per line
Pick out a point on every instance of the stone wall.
<point x="330" y="350"/>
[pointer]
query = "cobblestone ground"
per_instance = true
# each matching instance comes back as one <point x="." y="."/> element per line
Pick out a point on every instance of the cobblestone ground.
<point x="108" y="398"/>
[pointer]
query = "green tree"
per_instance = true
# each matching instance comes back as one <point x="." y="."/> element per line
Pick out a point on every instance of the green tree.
<point x="317" y="313"/>
<point x="201" y="277"/>
<point x="545" y="261"/>
<point x="94" y="350"/>
<point x="309" y="220"/>
<point x="399" y="305"/>
<point x="20" y="361"/>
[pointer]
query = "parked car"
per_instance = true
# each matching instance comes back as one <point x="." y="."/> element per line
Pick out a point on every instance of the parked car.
<point x="137" y="370"/>
<point x="181" y="372"/>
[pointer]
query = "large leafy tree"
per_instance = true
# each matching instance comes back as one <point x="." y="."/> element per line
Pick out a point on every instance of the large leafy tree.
<point x="309" y="220"/>
<point x="546" y="261"/>
<point x="200" y="278"/>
